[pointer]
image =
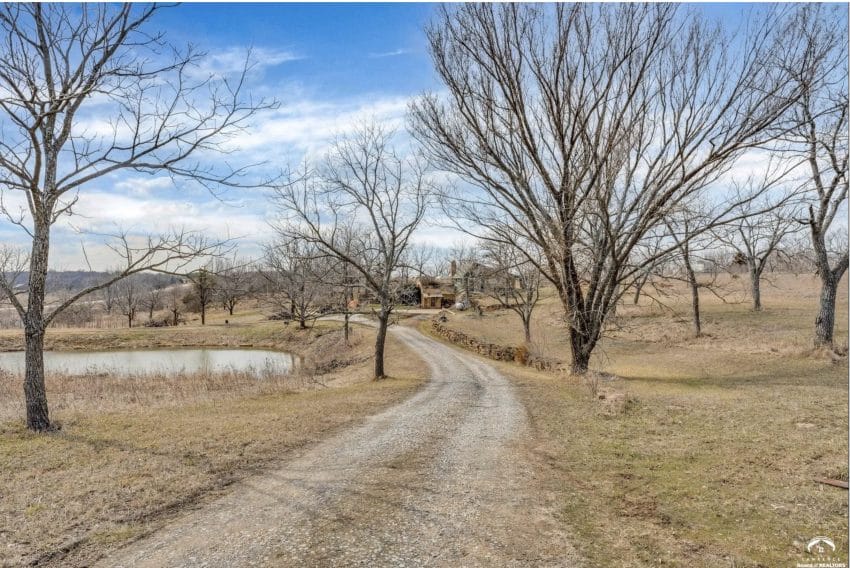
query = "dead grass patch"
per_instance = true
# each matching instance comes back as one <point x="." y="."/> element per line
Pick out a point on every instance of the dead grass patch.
<point x="694" y="476"/>
<point x="109" y="477"/>
<point x="133" y="452"/>
<point x="702" y="451"/>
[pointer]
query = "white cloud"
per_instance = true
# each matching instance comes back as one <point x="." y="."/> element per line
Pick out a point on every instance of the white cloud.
<point x="101" y="211"/>
<point x="144" y="186"/>
<point x="231" y="60"/>
<point x="393" y="53"/>
<point x="304" y="129"/>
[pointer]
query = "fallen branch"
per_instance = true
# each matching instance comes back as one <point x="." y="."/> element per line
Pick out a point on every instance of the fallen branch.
<point x="833" y="482"/>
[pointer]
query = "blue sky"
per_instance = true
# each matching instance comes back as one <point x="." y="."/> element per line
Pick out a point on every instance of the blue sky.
<point x="345" y="49"/>
<point x="329" y="65"/>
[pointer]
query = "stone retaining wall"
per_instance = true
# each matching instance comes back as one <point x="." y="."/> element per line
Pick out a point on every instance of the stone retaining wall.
<point x="495" y="351"/>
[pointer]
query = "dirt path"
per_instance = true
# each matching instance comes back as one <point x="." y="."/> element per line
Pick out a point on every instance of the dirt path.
<point x="439" y="480"/>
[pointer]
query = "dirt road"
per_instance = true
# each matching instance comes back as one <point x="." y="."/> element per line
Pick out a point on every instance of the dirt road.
<point x="439" y="480"/>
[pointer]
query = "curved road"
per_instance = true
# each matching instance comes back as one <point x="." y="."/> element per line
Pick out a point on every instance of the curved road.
<point x="438" y="480"/>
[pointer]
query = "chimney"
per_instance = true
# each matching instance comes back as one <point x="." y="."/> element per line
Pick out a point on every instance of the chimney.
<point x="454" y="267"/>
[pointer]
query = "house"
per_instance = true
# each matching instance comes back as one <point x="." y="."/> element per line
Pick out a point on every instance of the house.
<point x="435" y="293"/>
<point x="475" y="277"/>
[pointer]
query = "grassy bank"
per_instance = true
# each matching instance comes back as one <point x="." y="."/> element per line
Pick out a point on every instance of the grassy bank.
<point x="133" y="452"/>
<point x="250" y="332"/>
<point x="680" y="473"/>
<point x="703" y="450"/>
<point x="325" y="361"/>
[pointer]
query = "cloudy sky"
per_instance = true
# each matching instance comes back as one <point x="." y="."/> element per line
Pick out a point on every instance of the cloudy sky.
<point x="329" y="66"/>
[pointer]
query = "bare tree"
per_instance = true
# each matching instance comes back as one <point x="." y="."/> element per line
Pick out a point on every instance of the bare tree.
<point x="66" y="68"/>
<point x="128" y="293"/>
<point x="756" y="238"/>
<point x="686" y="229"/>
<point x="797" y="256"/>
<point x="174" y="303"/>
<point x="297" y="274"/>
<point x="517" y="281"/>
<point x="344" y="281"/>
<point x="585" y="125"/>
<point x="203" y="292"/>
<point x="151" y="299"/>
<point x="379" y="197"/>
<point x="821" y="139"/>
<point x="466" y="271"/>
<point x="647" y="259"/>
<point x="423" y="259"/>
<point x="108" y="295"/>
<point x="235" y="281"/>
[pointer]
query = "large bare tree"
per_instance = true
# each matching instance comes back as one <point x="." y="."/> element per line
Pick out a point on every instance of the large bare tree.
<point x="821" y="139"/>
<point x="361" y="205"/>
<point x="586" y="124"/>
<point x="88" y="91"/>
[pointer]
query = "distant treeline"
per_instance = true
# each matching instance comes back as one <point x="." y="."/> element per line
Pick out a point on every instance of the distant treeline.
<point x="74" y="280"/>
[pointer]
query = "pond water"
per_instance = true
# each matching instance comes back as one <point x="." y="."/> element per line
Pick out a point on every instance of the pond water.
<point x="161" y="361"/>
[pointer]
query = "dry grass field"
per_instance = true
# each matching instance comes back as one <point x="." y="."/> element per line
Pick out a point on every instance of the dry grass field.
<point x="680" y="451"/>
<point x="132" y="452"/>
<point x="703" y="450"/>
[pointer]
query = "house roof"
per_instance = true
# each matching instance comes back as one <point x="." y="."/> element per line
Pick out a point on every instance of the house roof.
<point x="436" y="292"/>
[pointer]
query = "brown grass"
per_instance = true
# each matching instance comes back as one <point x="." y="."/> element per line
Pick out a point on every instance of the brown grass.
<point x="132" y="452"/>
<point x="80" y="394"/>
<point x="786" y="326"/>
<point x="325" y="361"/>
<point x="703" y="451"/>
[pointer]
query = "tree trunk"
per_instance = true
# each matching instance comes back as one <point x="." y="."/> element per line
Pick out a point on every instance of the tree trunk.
<point x="35" y="394"/>
<point x="612" y="309"/>
<point x="380" y="342"/>
<point x="692" y="281"/>
<point x="130" y="320"/>
<point x="526" y="327"/>
<point x="580" y="353"/>
<point x="203" y="314"/>
<point x="638" y="289"/>
<point x="347" y="298"/>
<point x="755" y="284"/>
<point x="825" y="321"/>
<point x="582" y="341"/>
<point x="175" y="317"/>
<point x="230" y="309"/>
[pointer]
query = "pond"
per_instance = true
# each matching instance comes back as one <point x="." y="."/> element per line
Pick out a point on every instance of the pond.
<point x="159" y="361"/>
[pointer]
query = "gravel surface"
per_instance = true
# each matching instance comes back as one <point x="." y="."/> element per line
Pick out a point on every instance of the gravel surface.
<point x="439" y="480"/>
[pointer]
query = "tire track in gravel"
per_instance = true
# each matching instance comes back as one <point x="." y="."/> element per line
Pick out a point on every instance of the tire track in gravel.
<point x="438" y="480"/>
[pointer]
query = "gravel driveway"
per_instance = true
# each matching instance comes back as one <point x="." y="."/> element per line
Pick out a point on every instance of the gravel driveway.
<point x="439" y="480"/>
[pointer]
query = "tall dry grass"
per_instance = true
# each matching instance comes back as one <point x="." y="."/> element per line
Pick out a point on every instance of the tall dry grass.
<point x="100" y="392"/>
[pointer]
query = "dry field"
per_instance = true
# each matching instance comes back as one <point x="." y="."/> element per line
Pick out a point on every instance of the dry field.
<point x="133" y="452"/>
<point x="702" y="451"/>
